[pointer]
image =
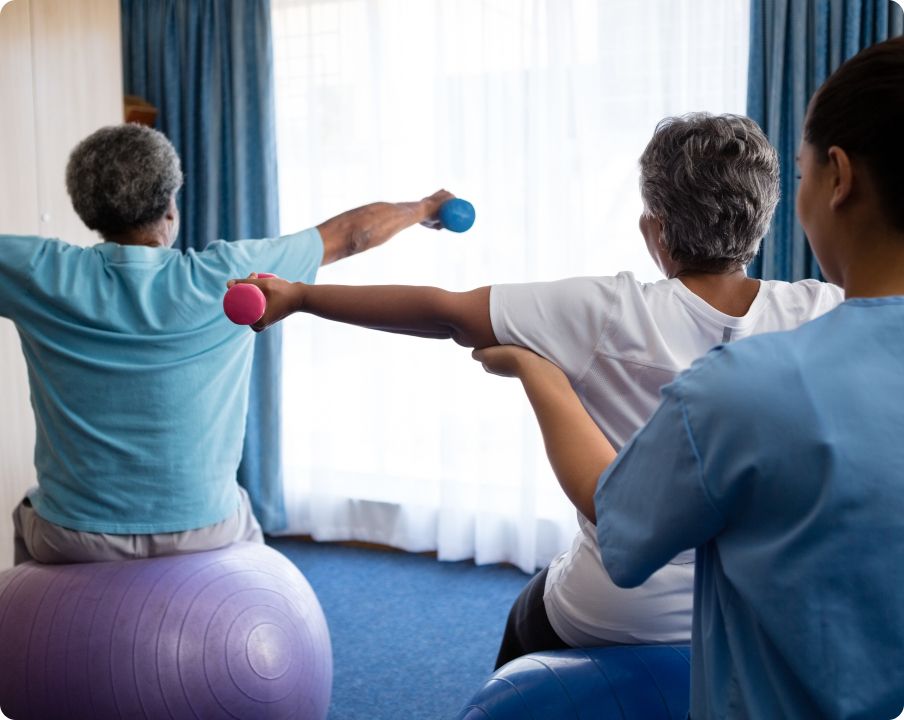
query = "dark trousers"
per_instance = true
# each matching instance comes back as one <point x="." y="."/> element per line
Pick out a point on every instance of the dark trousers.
<point x="527" y="629"/>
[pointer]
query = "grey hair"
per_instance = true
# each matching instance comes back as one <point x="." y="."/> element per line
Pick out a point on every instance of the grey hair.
<point x="713" y="183"/>
<point x="122" y="177"/>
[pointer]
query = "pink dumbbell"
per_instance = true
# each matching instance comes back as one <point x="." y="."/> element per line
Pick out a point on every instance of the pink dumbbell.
<point x="245" y="304"/>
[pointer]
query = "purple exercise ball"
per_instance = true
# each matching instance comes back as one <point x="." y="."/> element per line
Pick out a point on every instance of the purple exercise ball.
<point x="231" y="633"/>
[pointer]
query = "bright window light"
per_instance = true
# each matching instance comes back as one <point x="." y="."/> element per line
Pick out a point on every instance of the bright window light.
<point x="534" y="110"/>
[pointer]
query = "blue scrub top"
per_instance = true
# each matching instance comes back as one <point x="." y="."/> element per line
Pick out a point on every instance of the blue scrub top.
<point x="781" y="458"/>
<point x="139" y="383"/>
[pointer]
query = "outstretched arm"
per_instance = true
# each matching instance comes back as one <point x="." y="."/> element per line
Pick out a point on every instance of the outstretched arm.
<point x="577" y="449"/>
<point x="411" y="310"/>
<point x="366" y="227"/>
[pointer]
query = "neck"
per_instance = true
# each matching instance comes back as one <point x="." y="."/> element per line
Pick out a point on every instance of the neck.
<point x="876" y="270"/>
<point x="702" y="276"/>
<point x="730" y="292"/>
<point x="152" y="236"/>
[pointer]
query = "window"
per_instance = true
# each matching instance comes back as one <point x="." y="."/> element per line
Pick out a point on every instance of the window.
<point x="534" y="110"/>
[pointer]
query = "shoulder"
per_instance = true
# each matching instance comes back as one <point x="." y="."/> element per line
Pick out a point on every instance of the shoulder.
<point x="574" y="289"/>
<point x="286" y="255"/>
<point x="307" y="235"/>
<point x="25" y="250"/>
<point x="730" y="378"/>
<point x="808" y="288"/>
<point x="808" y="298"/>
<point x="751" y="408"/>
<point x="30" y="263"/>
<point x="817" y="288"/>
<point x="32" y="243"/>
<point x="758" y="378"/>
<point x="577" y="304"/>
<point x="559" y="319"/>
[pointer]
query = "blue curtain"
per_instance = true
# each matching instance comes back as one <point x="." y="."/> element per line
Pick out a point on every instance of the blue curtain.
<point x="207" y="65"/>
<point x="794" y="46"/>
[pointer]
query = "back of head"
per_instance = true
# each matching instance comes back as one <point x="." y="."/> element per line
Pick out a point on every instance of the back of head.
<point x="860" y="109"/>
<point x="713" y="183"/>
<point x="121" y="178"/>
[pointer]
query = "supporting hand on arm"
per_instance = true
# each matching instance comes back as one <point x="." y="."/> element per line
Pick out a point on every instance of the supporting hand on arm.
<point x="577" y="449"/>
<point x="366" y="227"/>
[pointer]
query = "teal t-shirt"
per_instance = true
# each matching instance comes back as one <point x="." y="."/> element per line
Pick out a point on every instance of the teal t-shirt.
<point x="780" y="457"/>
<point x="139" y="382"/>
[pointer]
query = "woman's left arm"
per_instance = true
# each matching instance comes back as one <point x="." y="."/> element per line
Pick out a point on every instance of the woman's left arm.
<point x="366" y="227"/>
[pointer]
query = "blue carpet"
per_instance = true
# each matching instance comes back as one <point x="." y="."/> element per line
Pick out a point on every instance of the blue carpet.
<point x="413" y="638"/>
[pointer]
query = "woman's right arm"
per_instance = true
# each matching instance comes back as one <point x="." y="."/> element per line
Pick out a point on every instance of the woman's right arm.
<point x="411" y="310"/>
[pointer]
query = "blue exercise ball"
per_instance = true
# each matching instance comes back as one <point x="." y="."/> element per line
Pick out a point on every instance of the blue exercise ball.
<point x="230" y="633"/>
<point x="625" y="682"/>
<point x="456" y="215"/>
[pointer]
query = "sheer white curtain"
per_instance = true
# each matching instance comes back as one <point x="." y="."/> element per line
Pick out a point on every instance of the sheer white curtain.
<point x="534" y="110"/>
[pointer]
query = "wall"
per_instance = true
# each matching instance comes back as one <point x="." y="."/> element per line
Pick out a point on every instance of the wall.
<point x="60" y="79"/>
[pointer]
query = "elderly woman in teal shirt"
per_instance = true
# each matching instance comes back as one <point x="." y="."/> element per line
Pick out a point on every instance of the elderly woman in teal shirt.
<point x="139" y="384"/>
<point x="779" y="457"/>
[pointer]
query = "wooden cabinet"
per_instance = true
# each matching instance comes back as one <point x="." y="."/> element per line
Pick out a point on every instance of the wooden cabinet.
<point x="60" y="79"/>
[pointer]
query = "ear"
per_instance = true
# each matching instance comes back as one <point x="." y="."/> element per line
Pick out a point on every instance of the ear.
<point x="651" y="227"/>
<point x="171" y="209"/>
<point x="656" y="224"/>
<point x="842" y="176"/>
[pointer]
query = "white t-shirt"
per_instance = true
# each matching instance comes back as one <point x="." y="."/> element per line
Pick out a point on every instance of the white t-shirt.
<point x="619" y="341"/>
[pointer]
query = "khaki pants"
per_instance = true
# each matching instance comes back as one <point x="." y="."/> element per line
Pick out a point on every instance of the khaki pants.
<point x="45" y="542"/>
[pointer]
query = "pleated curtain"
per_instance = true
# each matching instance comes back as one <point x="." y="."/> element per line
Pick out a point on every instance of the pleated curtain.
<point x="207" y="65"/>
<point x="794" y="46"/>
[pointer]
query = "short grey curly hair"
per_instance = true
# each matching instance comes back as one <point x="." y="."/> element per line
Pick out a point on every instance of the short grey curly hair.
<point x="122" y="177"/>
<point x="713" y="183"/>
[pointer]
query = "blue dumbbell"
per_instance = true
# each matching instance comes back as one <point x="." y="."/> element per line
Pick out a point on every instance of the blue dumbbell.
<point x="456" y="215"/>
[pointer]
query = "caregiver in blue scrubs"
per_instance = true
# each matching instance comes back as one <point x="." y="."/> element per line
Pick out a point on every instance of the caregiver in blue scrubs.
<point x="779" y="457"/>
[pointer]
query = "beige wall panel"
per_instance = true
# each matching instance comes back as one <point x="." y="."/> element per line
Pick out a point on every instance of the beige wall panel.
<point x="18" y="215"/>
<point x="17" y="436"/>
<point x="78" y="88"/>
<point x="60" y="79"/>
<point x="18" y="176"/>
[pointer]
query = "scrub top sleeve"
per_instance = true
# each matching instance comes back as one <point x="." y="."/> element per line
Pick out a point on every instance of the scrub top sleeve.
<point x="651" y="503"/>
